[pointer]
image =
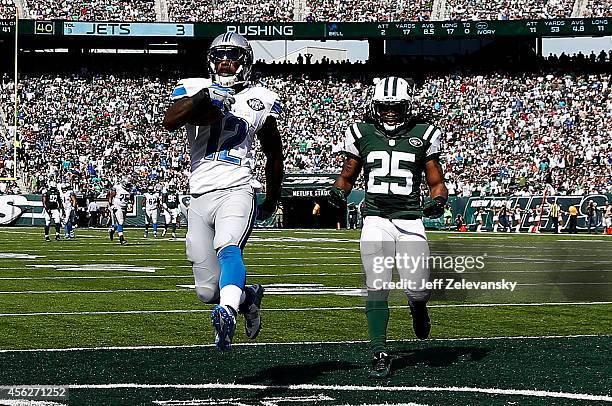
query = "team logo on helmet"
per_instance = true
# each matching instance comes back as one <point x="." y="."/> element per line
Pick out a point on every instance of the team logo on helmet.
<point x="255" y="104"/>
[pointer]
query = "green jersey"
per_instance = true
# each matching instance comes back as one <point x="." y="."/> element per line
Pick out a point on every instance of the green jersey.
<point x="52" y="198"/>
<point x="393" y="167"/>
<point x="171" y="200"/>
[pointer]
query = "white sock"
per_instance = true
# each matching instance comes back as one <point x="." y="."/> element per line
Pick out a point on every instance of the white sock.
<point x="231" y="296"/>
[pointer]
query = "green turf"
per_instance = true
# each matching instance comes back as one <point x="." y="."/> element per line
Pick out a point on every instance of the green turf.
<point x="548" y="271"/>
<point x="521" y="364"/>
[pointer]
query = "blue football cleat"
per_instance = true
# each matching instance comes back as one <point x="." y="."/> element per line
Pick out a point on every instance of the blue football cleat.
<point x="224" y="322"/>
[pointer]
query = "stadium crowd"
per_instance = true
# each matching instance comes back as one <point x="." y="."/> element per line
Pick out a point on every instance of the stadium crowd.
<point x="92" y="10"/>
<point x="508" y="10"/>
<point x="315" y="10"/>
<point x="387" y="10"/>
<point x="505" y="133"/>
<point x="91" y="131"/>
<point x="7" y="9"/>
<point x="230" y="11"/>
<point x="598" y="8"/>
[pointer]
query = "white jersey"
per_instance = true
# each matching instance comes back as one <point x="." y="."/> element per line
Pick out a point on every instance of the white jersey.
<point x="67" y="200"/>
<point x="122" y="197"/>
<point x="151" y="201"/>
<point x="222" y="154"/>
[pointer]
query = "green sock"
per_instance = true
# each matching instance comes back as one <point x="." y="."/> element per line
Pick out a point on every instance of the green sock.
<point x="377" y="313"/>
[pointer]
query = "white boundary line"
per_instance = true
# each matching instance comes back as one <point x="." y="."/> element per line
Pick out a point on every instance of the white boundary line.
<point x="265" y="344"/>
<point x="355" y="388"/>
<point x="322" y="290"/>
<point x="54" y="292"/>
<point x="190" y="276"/>
<point x="301" y="309"/>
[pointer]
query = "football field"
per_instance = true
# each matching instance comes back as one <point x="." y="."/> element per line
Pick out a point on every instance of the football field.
<point x="122" y="324"/>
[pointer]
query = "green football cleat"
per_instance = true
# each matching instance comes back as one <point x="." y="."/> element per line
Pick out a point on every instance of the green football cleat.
<point x="381" y="365"/>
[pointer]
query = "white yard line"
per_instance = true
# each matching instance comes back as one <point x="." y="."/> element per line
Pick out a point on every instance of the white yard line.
<point x="53" y="292"/>
<point x="300" y="309"/>
<point x="300" y="343"/>
<point x="355" y="388"/>
<point x="190" y="276"/>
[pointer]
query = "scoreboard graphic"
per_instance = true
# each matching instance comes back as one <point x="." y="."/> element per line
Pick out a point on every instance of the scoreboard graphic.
<point x="571" y="27"/>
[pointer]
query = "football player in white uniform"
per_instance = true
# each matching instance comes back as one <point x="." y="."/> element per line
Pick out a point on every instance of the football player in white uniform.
<point x="118" y="199"/>
<point x="52" y="205"/>
<point x="151" y="210"/>
<point x="70" y="206"/>
<point x="223" y="115"/>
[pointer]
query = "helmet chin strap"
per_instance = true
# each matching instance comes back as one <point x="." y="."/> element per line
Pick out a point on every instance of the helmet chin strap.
<point x="226" y="81"/>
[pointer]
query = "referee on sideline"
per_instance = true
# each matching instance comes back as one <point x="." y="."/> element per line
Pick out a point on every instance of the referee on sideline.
<point x="554" y="216"/>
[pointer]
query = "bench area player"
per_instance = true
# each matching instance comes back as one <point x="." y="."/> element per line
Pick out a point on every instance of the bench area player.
<point x="52" y="205"/>
<point x="394" y="150"/>
<point x="222" y="116"/>
<point x="151" y="210"/>
<point x="170" y="205"/>
<point x="118" y="199"/>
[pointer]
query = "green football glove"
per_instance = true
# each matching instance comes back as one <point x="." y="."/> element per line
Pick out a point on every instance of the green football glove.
<point x="265" y="210"/>
<point x="435" y="207"/>
<point x="337" y="197"/>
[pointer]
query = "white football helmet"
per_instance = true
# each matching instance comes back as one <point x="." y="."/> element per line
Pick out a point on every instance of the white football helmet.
<point x="235" y="48"/>
<point x="126" y="182"/>
<point x="391" y="103"/>
<point x="52" y="184"/>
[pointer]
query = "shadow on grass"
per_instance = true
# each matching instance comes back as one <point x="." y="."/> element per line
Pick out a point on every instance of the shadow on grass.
<point x="437" y="356"/>
<point x="295" y="374"/>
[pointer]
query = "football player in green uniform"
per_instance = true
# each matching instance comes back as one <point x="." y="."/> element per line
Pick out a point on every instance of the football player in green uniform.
<point x="52" y="205"/>
<point x="394" y="150"/>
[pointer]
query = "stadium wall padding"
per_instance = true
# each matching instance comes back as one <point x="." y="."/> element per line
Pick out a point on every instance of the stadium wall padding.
<point x="27" y="210"/>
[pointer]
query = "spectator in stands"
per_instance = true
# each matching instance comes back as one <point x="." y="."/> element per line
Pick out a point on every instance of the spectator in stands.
<point x="504" y="134"/>
<point x="93" y="10"/>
